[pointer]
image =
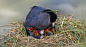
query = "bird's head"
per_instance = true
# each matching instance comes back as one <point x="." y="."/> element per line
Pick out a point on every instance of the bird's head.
<point x="31" y="28"/>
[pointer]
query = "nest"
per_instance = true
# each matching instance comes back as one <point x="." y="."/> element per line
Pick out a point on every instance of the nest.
<point x="69" y="31"/>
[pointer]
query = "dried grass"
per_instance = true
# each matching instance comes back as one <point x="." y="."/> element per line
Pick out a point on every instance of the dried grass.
<point x="69" y="31"/>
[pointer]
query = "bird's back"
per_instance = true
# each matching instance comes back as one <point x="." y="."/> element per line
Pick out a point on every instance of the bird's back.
<point x="40" y="22"/>
<point x="35" y="11"/>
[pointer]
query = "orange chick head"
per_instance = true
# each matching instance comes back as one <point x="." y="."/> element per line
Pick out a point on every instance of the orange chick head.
<point x="47" y="30"/>
<point x="53" y="30"/>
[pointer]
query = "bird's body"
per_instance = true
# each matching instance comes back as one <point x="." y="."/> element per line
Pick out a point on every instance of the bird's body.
<point x="39" y="18"/>
<point x="39" y="22"/>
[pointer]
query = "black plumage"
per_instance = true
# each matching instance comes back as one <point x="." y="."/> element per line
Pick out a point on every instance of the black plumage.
<point x="40" y="22"/>
<point x="39" y="18"/>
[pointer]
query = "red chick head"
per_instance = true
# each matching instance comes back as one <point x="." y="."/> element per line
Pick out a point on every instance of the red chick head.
<point x="36" y="33"/>
<point x="31" y="28"/>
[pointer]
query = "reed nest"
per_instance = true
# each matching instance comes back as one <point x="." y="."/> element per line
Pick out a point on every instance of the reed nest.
<point x="68" y="31"/>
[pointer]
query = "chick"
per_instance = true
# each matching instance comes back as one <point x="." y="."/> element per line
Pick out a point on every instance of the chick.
<point x="35" y="33"/>
<point x="53" y="30"/>
<point x="47" y="32"/>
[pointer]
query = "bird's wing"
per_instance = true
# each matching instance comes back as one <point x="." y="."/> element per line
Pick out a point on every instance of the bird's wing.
<point x="53" y="15"/>
<point x="30" y="22"/>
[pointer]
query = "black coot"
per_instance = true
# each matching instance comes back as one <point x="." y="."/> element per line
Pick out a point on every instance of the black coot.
<point x="39" y="18"/>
